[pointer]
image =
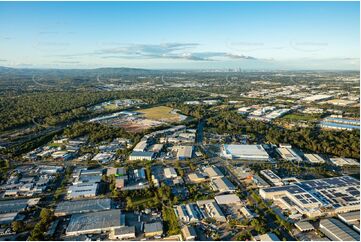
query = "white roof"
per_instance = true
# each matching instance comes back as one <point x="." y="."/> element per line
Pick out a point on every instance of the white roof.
<point x="245" y="150"/>
<point x="227" y="199"/>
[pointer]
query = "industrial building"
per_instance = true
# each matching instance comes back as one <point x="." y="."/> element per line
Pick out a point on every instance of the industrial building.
<point x="188" y="213"/>
<point x="12" y="206"/>
<point x="344" y="162"/>
<point x="184" y="152"/>
<point x="227" y="199"/>
<point x="318" y="97"/>
<point x="316" y="197"/>
<point x="170" y="172"/>
<point x="288" y="154"/>
<point x="214" y="211"/>
<point x="123" y="233"/>
<point x="95" y="223"/>
<point x="222" y="185"/>
<point x="82" y="206"/>
<point x="304" y="226"/>
<point x="272" y="177"/>
<point x="153" y="229"/>
<point x="189" y="233"/>
<point x="141" y="155"/>
<point x="340" y="123"/>
<point x="335" y="230"/>
<point x="196" y="177"/>
<point x="141" y="146"/>
<point x="350" y="218"/>
<point x="244" y="152"/>
<point x="213" y="172"/>
<point x="314" y="159"/>
<point x="81" y="190"/>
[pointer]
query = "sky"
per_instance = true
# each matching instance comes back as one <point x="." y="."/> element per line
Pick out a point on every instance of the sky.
<point x="181" y="35"/>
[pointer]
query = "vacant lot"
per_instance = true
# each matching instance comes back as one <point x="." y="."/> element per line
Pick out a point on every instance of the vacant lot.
<point x="161" y="113"/>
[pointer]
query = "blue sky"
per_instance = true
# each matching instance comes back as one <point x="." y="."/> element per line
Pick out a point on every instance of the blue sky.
<point x="249" y="35"/>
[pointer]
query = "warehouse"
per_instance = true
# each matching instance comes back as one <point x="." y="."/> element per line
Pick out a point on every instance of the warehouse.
<point x="227" y="199"/>
<point x="272" y="177"/>
<point x="318" y="97"/>
<point x="83" y="190"/>
<point x="337" y="231"/>
<point x="344" y="162"/>
<point x="7" y="218"/>
<point x="244" y="152"/>
<point x="188" y="213"/>
<point x="123" y="233"/>
<point x="338" y="194"/>
<point x="196" y="177"/>
<point x="153" y="229"/>
<point x="223" y="185"/>
<point x="141" y="155"/>
<point x="82" y="206"/>
<point x="287" y="153"/>
<point x="141" y="146"/>
<point x="314" y="159"/>
<point x="189" y="233"/>
<point x="350" y="217"/>
<point x="170" y="172"/>
<point x="214" y="211"/>
<point x="13" y="206"/>
<point x="213" y="172"/>
<point x="184" y="152"/>
<point x="95" y="223"/>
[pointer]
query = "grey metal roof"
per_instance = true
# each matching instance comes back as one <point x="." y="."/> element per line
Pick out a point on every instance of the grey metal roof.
<point x="14" y="205"/>
<point x="336" y="230"/>
<point x="83" y="206"/>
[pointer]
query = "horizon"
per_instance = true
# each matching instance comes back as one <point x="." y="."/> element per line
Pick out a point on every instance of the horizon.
<point x="298" y="36"/>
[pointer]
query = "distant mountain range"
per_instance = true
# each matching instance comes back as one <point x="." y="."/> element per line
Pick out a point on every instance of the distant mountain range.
<point x="77" y="72"/>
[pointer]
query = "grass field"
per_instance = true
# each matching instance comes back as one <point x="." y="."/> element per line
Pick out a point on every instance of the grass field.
<point x="300" y="117"/>
<point x="160" y="113"/>
<point x="111" y="107"/>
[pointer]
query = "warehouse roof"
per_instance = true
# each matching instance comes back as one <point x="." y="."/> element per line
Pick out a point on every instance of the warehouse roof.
<point x="336" y="230"/>
<point x="213" y="171"/>
<point x="246" y="151"/>
<point x="15" y="205"/>
<point x="350" y="216"/>
<point x="153" y="227"/>
<point x="304" y="226"/>
<point x="96" y="221"/>
<point x="83" y="206"/>
<point x="227" y="199"/>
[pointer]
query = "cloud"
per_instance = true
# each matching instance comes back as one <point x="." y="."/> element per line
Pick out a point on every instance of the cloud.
<point x="235" y="56"/>
<point x="66" y="62"/>
<point x="170" y="51"/>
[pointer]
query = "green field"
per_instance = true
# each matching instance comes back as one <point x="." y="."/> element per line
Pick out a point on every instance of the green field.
<point x="300" y="117"/>
<point x="160" y="113"/>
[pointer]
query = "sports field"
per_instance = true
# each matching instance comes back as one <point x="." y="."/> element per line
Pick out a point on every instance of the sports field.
<point x="161" y="113"/>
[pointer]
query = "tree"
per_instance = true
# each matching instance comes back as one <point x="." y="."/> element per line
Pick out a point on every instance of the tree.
<point x="46" y="215"/>
<point x="17" y="226"/>
<point x="130" y="204"/>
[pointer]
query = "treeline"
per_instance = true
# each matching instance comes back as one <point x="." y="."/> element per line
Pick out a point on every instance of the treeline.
<point x="23" y="109"/>
<point x="51" y="108"/>
<point x="97" y="132"/>
<point x="338" y="143"/>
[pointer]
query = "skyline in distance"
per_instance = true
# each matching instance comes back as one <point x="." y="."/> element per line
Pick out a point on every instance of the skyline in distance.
<point x="181" y="35"/>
